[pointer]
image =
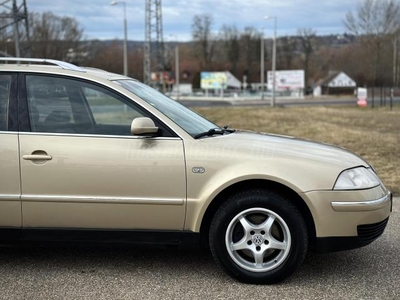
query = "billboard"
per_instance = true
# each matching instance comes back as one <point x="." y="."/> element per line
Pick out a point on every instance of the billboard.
<point x="287" y="80"/>
<point x="213" y="80"/>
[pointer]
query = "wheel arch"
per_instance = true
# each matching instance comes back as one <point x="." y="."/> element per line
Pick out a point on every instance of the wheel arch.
<point x="290" y="194"/>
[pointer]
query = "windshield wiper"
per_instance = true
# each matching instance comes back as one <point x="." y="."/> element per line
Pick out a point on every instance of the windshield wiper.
<point x="230" y="130"/>
<point x="210" y="132"/>
<point x="213" y="131"/>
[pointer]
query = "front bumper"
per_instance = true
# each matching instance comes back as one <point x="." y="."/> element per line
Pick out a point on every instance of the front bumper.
<point x="339" y="216"/>
<point x="370" y="205"/>
<point x="366" y="235"/>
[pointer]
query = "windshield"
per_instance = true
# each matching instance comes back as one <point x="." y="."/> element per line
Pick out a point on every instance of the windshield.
<point x="187" y="119"/>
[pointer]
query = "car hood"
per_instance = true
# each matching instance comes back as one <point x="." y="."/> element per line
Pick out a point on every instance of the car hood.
<point x="301" y="164"/>
<point x="261" y="145"/>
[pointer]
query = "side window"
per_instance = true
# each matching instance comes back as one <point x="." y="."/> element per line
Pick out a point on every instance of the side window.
<point x="5" y="83"/>
<point x="70" y="106"/>
<point x="107" y="109"/>
<point x="49" y="105"/>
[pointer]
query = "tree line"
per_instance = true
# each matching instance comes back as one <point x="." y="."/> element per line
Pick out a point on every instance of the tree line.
<point x="368" y="52"/>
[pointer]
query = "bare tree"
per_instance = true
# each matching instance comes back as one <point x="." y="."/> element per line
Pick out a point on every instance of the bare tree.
<point x="52" y="36"/>
<point x="374" y="18"/>
<point x="231" y="47"/>
<point x="375" y="23"/>
<point x="286" y="52"/>
<point x="250" y="47"/>
<point x="202" y="35"/>
<point x="307" y="45"/>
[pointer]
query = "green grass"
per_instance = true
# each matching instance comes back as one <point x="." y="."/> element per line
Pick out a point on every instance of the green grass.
<point x="373" y="134"/>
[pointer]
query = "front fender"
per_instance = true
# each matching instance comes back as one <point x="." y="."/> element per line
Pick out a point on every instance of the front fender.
<point x="202" y="190"/>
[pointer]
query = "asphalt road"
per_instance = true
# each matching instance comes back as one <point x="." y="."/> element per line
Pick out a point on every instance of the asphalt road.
<point x="372" y="272"/>
<point x="279" y="102"/>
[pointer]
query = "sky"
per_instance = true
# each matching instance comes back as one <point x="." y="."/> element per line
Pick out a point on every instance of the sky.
<point x="100" y="20"/>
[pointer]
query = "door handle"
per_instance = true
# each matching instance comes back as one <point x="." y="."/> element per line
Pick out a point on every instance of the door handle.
<point x="37" y="157"/>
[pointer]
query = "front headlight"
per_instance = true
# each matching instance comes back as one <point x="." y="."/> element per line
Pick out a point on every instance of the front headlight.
<point x="357" y="179"/>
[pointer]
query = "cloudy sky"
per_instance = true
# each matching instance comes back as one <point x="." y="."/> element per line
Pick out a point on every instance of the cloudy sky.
<point x="102" y="21"/>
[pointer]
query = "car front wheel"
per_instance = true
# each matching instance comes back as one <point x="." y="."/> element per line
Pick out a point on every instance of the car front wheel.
<point x="258" y="237"/>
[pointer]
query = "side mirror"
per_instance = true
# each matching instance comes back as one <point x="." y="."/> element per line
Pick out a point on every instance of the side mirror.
<point x="142" y="126"/>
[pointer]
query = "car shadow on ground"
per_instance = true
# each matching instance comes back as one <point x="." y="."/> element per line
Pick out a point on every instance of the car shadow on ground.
<point x="91" y="259"/>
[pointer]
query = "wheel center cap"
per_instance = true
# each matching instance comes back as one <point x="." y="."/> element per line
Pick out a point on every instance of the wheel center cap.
<point x="258" y="239"/>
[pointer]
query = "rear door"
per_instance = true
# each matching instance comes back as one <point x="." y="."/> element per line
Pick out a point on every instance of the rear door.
<point x="10" y="203"/>
<point x="82" y="168"/>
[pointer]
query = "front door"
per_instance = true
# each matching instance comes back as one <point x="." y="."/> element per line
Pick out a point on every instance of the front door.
<point x="82" y="168"/>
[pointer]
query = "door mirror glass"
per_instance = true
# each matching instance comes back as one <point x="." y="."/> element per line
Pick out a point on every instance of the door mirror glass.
<point x="143" y="126"/>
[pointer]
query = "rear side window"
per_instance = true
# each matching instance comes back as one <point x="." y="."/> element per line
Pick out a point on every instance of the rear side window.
<point x="5" y="83"/>
<point x="48" y="103"/>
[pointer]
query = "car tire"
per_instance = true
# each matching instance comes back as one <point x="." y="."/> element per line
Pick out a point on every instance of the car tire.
<point x="258" y="237"/>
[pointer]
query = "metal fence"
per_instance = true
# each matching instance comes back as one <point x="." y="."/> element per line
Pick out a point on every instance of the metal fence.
<point x="245" y="94"/>
<point x="383" y="96"/>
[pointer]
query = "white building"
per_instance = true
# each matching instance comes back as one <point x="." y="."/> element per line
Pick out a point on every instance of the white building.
<point x="336" y="82"/>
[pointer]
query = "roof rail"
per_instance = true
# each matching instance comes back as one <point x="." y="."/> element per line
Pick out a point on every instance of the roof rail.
<point x="62" y="64"/>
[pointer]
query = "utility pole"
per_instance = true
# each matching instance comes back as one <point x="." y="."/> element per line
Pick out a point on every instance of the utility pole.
<point x="273" y="96"/>
<point x="154" y="43"/>
<point x="15" y="28"/>
<point x="262" y="80"/>
<point x="177" y="71"/>
<point x="125" y="44"/>
<point x="274" y="66"/>
<point x="395" y="58"/>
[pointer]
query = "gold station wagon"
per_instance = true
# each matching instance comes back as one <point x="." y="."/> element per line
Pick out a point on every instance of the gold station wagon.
<point x="87" y="155"/>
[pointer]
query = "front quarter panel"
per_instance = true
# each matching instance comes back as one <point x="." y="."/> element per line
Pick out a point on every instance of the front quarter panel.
<point x="225" y="164"/>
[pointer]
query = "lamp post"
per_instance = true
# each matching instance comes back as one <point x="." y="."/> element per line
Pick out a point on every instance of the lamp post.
<point x="177" y="71"/>
<point x="125" y="36"/>
<point x="395" y="58"/>
<point x="177" y="67"/>
<point x="273" y="60"/>
<point x="262" y="64"/>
